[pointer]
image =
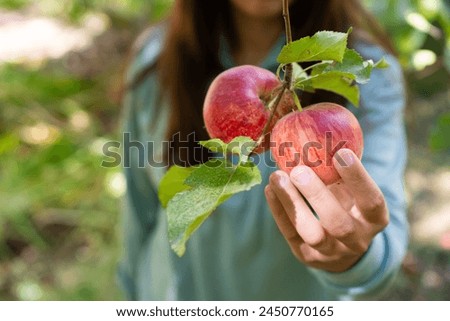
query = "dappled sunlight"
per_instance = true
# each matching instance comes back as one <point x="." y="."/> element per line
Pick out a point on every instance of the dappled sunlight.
<point x="96" y="146"/>
<point x="431" y="6"/>
<point x="419" y="22"/>
<point x="40" y="134"/>
<point x="80" y="120"/>
<point x="430" y="206"/>
<point x="29" y="291"/>
<point x="115" y="184"/>
<point x="431" y="229"/>
<point x="423" y="58"/>
<point x="28" y="39"/>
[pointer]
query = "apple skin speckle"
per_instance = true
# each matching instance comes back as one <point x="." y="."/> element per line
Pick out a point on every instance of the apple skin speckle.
<point x="237" y="102"/>
<point x="312" y="137"/>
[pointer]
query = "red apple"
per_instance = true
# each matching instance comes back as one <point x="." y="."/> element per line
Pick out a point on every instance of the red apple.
<point x="237" y="103"/>
<point x="311" y="137"/>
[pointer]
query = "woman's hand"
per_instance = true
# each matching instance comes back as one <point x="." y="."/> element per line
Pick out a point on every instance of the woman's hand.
<point x="350" y="213"/>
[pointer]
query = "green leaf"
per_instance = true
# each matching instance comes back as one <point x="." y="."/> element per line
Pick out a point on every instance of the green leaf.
<point x="215" y="145"/>
<point x="241" y="145"/>
<point x="353" y="66"/>
<point x="298" y="72"/>
<point x="296" y="100"/>
<point x="211" y="184"/>
<point x="338" y="83"/>
<point x="340" y="77"/>
<point x="381" y="64"/>
<point x="8" y="142"/>
<point x="323" y="45"/>
<point x="173" y="183"/>
<point x="438" y="138"/>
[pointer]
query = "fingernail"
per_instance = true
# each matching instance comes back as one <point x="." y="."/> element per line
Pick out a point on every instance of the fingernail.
<point x="344" y="158"/>
<point x="269" y="193"/>
<point x="283" y="180"/>
<point x="301" y="175"/>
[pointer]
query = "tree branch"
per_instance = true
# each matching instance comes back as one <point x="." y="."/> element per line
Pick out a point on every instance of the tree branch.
<point x="287" y="81"/>
<point x="287" y="27"/>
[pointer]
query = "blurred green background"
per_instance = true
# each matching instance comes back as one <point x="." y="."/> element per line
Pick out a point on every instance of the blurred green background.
<point x="61" y="65"/>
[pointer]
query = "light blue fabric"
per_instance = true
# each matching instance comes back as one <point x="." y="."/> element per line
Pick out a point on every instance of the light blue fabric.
<point x="239" y="253"/>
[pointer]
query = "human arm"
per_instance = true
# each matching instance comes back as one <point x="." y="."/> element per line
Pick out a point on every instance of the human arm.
<point x="140" y="204"/>
<point x="381" y="118"/>
<point x="350" y="213"/>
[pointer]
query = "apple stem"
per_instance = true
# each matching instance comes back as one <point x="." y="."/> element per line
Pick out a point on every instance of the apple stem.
<point x="317" y="65"/>
<point x="287" y="27"/>
<point x="287" y="21"/>
<point x="272" y="113"/>
<point x="287" y="81"/>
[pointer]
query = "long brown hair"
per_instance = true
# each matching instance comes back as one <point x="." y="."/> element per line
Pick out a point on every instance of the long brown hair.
<point x="189" y="59"/>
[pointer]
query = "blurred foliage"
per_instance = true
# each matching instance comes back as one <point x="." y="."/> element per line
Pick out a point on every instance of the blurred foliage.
<point x="439" y="138"/>
<point x="59" y="209"/>
<point x="55" y="207"/>
<point x="75" y="10"/>
<point x="420" y="30"/>
<point x="416" y="26"/>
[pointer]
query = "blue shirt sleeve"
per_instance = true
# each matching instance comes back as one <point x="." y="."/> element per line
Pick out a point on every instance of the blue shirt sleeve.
<point x="249" y="246"/>
<point x="141" y="204"/>
<point x="381" y="117"/>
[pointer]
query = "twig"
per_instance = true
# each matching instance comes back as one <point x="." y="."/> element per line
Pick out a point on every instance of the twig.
<point x="287" y="81"/>
<point x="287" y="21"/>
<point x="287" y="27"/>
<point x="269" y="121"/>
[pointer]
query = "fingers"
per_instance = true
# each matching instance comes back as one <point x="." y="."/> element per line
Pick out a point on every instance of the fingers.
<point x="307" y="237"/>
<point x="300" y="249"/>
<point x="281" y="219"/>
<point x="368" y="196"/>
<point x="342" y="193"/>
<point x="301" y="217"/>
<point x="333" y="217"/>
